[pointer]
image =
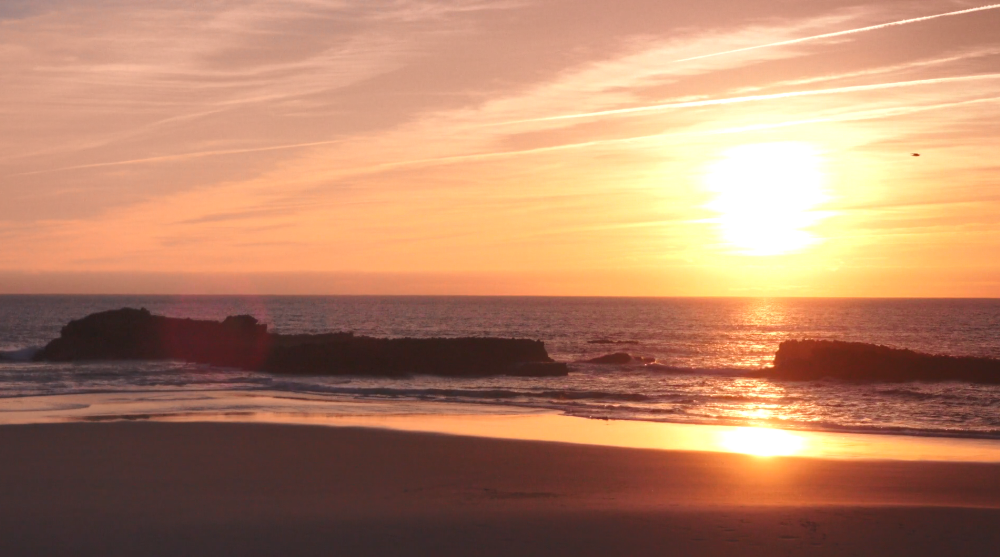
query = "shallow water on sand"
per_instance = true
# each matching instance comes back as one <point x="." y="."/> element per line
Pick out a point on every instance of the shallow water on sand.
<point x="478" y="420"/>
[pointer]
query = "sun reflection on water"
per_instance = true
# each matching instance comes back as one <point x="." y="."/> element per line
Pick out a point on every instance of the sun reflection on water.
<point x="762" y="442"/>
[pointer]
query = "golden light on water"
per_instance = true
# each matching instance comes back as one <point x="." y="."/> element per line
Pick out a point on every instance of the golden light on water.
<point x="762" y="442"/>
<point x="766" y="195"/>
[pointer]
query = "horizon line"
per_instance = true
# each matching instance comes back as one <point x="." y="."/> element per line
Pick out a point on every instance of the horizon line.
<point x="595" y="296"/>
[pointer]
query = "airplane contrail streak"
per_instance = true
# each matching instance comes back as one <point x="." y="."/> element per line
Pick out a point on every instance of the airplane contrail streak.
<point x="182" y="156"/>
<point x="842" y="33"/>
<point x="483" y="156"/>
<point x="771" y="96"/>
<point x="862" y="115"/>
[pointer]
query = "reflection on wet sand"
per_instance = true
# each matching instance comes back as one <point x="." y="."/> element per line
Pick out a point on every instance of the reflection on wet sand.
<point x="762" y="442"/>
<point x="502" y="422"/>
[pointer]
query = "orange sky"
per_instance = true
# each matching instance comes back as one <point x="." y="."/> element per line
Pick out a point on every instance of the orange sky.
<point x="587" y="147"/>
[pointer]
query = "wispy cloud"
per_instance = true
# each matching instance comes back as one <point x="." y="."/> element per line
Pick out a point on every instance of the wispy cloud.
<point x="450" y="135"/>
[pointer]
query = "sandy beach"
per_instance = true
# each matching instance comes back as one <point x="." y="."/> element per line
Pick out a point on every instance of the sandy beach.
<point x="615" y="278"/>
<point x="145" y="488"/>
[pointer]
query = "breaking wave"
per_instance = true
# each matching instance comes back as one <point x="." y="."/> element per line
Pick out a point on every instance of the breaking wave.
<point x="19" y="354"/>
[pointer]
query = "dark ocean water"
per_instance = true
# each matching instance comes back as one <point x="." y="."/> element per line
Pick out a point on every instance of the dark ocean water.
<point x="701" y="348"/>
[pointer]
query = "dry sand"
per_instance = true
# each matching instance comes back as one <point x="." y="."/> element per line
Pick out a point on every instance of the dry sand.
<point x="238" y="489"/>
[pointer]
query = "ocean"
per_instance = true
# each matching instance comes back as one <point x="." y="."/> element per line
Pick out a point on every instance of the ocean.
<point x="697" y="351"/>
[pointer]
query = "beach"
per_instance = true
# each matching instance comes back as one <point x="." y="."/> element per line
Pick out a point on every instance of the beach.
<point x="148" y="488"/>
<point x="684" y="450"/>
<point x="499" y="278"/>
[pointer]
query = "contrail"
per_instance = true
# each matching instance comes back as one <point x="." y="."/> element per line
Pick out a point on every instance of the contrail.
<point x="861" y="115"/>
<point x="182" y="156"/>
<point x="853" y="116"/>
<point x="500" y="154"/>
<point x="752" y="98"/>
<point x="769" y="45"/>
<point x="841" y="33"/>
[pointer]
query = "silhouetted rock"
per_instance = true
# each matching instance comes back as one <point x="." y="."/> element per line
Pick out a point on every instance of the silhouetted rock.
<point x="616" y="358"/>
<point x="241" y="342"/>
<point x="135" y="334"/>
<point x="858" y="361"/>
<point x="349" y="354"/>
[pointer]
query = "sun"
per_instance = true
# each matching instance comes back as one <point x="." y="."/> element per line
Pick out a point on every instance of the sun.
<point x="766" y="196"/>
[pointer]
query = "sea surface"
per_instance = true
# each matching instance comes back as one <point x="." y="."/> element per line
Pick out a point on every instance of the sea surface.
<point x="702" y="349"/>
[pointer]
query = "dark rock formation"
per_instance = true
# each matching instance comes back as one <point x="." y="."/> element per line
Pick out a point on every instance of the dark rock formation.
<point x="616" y="358"/>
<point x="858" y="361"/>
<point x="619" y="358"/>
<point x="241" y="342"/>
<point x="135" y="334"/>
<point x="346" y="353"/>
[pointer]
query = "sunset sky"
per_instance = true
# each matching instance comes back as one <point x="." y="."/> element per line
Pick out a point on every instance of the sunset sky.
<point x="549" y="147"/>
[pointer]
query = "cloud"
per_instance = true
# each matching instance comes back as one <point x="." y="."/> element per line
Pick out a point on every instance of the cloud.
<point x="331" y="136"/>
<point x="21" y="9"/>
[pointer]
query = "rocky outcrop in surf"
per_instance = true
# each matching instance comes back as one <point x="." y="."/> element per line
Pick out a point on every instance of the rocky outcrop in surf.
<point x="616" y="358"/>
<point x="620" y="358"/>
<point x="858" y="361"/>
<point x="241" y="342"/>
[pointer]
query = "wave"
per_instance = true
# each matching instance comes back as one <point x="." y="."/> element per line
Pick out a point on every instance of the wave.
<point x="649" y="364"/>
<point x="674" y="407"/>
<point x="19" y="354"/>
<point x="679" y="415"/>
<point x="480" y="394"/>
<point x="562" y="396"/>
<point x="920" y="395"/>
<point x="637" y="407"/>
<point x="610" y="341"/>
<point x="682" y="370"/>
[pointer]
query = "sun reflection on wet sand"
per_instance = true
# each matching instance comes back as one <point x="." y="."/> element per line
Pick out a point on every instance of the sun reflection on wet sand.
<point x="762" y="442"/>
<point x="486" y="421"/>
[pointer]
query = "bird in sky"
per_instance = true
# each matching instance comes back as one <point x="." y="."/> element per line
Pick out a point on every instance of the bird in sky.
<point x="914" y="154"/>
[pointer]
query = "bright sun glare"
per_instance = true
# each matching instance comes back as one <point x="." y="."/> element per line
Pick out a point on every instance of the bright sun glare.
<point x="765" y="195"/>
<point x="761" y="441"/>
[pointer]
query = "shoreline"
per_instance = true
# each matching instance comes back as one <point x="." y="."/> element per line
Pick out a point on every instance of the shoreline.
<point x="485" y="421"/>
<point x="154" y="488"/>
<point x="488" y="407"/>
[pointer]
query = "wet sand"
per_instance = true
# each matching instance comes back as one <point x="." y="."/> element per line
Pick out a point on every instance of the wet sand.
<point x="148" y="488"/>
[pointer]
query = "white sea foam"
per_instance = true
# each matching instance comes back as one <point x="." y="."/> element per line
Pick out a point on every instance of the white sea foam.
<point x="19" y="354"/>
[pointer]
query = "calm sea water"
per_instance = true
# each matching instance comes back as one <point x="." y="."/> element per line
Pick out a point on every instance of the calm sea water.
<point x="700" y="346"/>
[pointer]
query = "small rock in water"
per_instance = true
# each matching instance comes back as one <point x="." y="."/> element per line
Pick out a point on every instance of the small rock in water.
<point x="616" y="358"/>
